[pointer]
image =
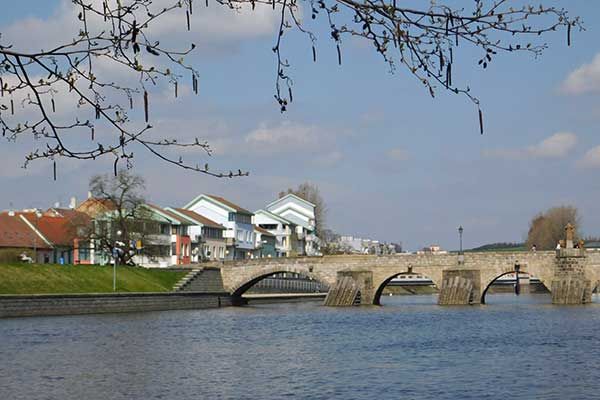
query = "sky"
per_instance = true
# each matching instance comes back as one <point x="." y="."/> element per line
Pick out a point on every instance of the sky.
<point x="391" y="162"/>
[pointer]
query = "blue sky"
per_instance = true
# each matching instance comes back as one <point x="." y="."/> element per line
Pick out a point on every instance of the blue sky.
<point x="392" y="163"/>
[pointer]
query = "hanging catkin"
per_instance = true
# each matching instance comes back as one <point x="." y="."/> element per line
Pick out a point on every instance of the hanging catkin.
<point x="53" y="105"/>
<point x="339" y="53"/>
<point x="314" y="51"/>
<point x="480" y="121"/>
<point x="146" y="105"/>
<point x="93" y="134"/>
<point x="175" y="89"/>
<point x="187" y="15"/>
<point x="1" y="88"/>
<point x="54" y="169"/>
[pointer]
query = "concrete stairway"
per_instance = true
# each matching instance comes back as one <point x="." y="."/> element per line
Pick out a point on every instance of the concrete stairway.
<point x="206" y="280"/>
<point x="344" y="293"/>
<point x="186" y="279"/>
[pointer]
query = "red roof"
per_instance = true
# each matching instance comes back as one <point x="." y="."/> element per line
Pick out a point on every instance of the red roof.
<point x="14" y="232"/>
<point x="59" y="230"/>
<point x="199" y="218"/>
<point x="230" y="204"/>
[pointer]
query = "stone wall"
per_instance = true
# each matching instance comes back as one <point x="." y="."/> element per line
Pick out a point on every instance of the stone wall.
<point x="38" y="305"/>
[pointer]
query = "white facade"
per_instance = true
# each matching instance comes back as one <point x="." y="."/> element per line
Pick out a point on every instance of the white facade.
<point x="239" y="233"/>
<point x="286" y="239"/>
<point x="302" y="214"/>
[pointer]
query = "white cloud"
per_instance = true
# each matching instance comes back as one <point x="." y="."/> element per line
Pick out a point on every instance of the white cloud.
<point x="585" y="79"/>
<point x="591" y="159"/>
<point x="398" y="154"/>
<point x="211" y="26"/>
<point x="558" y="145"/>
<point x="285" y="137"/>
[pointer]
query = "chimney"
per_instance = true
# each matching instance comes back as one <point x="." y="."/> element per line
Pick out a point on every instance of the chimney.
<point x="89" y="195"/>
<point x="11" y="213"/>
<point x="73" y="203"/>
<point x="57" y="204"/>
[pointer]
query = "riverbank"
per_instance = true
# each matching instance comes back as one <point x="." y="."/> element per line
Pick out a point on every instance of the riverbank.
<point x="97" y="303"/>
<point x="52" y="279"/>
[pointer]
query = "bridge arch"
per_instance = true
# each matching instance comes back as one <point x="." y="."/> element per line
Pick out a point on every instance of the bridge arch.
<point x="524" y="268"/>
<point x="243" y="286"/>
<point x="382" y="283"/>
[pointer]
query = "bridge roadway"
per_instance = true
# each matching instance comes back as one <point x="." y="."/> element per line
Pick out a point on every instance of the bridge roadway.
<point x="571" y="274"/>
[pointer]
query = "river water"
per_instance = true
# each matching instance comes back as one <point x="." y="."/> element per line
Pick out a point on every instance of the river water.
<point x="512" y="348"/>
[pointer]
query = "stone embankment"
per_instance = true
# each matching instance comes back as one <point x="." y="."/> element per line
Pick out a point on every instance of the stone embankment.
<point x="73" y="304"/>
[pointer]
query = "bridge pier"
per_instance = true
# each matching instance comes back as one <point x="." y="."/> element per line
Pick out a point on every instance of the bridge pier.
<point x="570" y="284"/>
<point x="352" y="288"/>
<point x="460" y="287"/>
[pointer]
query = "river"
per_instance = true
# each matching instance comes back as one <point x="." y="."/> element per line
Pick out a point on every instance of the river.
<point x="513" y="348"/>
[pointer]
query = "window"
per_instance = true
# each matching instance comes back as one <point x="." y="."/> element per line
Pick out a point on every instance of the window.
<point x="173" y="249"/>
<point x="214" y="252"/>
<point x="164" y="229"/>
<point x="84" y="251"/>
<point x="212" y="233"/>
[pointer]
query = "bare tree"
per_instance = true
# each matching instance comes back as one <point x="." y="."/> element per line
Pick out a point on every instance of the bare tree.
<point x="546" y="229"/>
<point x="126" y="220"/>
<point x="118" y="33"/>
<point x="310" y="192"/>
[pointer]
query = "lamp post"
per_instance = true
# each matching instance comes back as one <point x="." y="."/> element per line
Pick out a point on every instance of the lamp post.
<point x="460" y="232"/>
<point x="115" y="256"/>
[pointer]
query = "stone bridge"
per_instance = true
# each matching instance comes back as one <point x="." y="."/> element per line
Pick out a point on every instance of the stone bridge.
<point x="570" y="274"/>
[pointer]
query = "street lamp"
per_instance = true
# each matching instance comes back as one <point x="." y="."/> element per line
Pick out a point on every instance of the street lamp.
<point x="460" y="232"/>
<point x="115" y="255"/>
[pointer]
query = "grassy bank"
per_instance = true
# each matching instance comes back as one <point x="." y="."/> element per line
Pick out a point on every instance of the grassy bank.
<point x="38" y="279"/>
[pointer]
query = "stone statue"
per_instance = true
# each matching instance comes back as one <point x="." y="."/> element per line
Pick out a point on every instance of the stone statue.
<point x="570" y="233"/>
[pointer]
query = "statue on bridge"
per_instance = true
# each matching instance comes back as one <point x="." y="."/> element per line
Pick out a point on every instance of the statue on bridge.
<point x="570" y="235"/>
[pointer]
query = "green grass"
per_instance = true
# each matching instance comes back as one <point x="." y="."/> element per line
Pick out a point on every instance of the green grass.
<point x="47" y="278"/>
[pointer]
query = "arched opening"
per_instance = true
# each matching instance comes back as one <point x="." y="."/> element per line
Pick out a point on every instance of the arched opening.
<point x="405" y="284"/>
<point x="280" y="285"/>
<point x="506" y="283"/>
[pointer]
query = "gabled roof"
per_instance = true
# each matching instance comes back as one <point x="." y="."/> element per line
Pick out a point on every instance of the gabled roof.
<point x="196" y="218"/>
<point x="15" y="232"/>
<point x="169" y="215"/>
<point x="93" y="206"/>
<point x="228" y="205"/>
<point x="291" y="195"/>
<point x="58" y="230"/>
<point x="275" y="217"/>
<point x="263" y="231"/>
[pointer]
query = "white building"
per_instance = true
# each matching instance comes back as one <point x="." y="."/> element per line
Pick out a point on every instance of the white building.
<point x="206" y="236"/>
<point x="302" y="214"/>
<point x="286" y="240"/>
<point x="239" y="233"/>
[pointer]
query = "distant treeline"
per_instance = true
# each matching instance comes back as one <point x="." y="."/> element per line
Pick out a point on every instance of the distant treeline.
<point x="499" y="247"/>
